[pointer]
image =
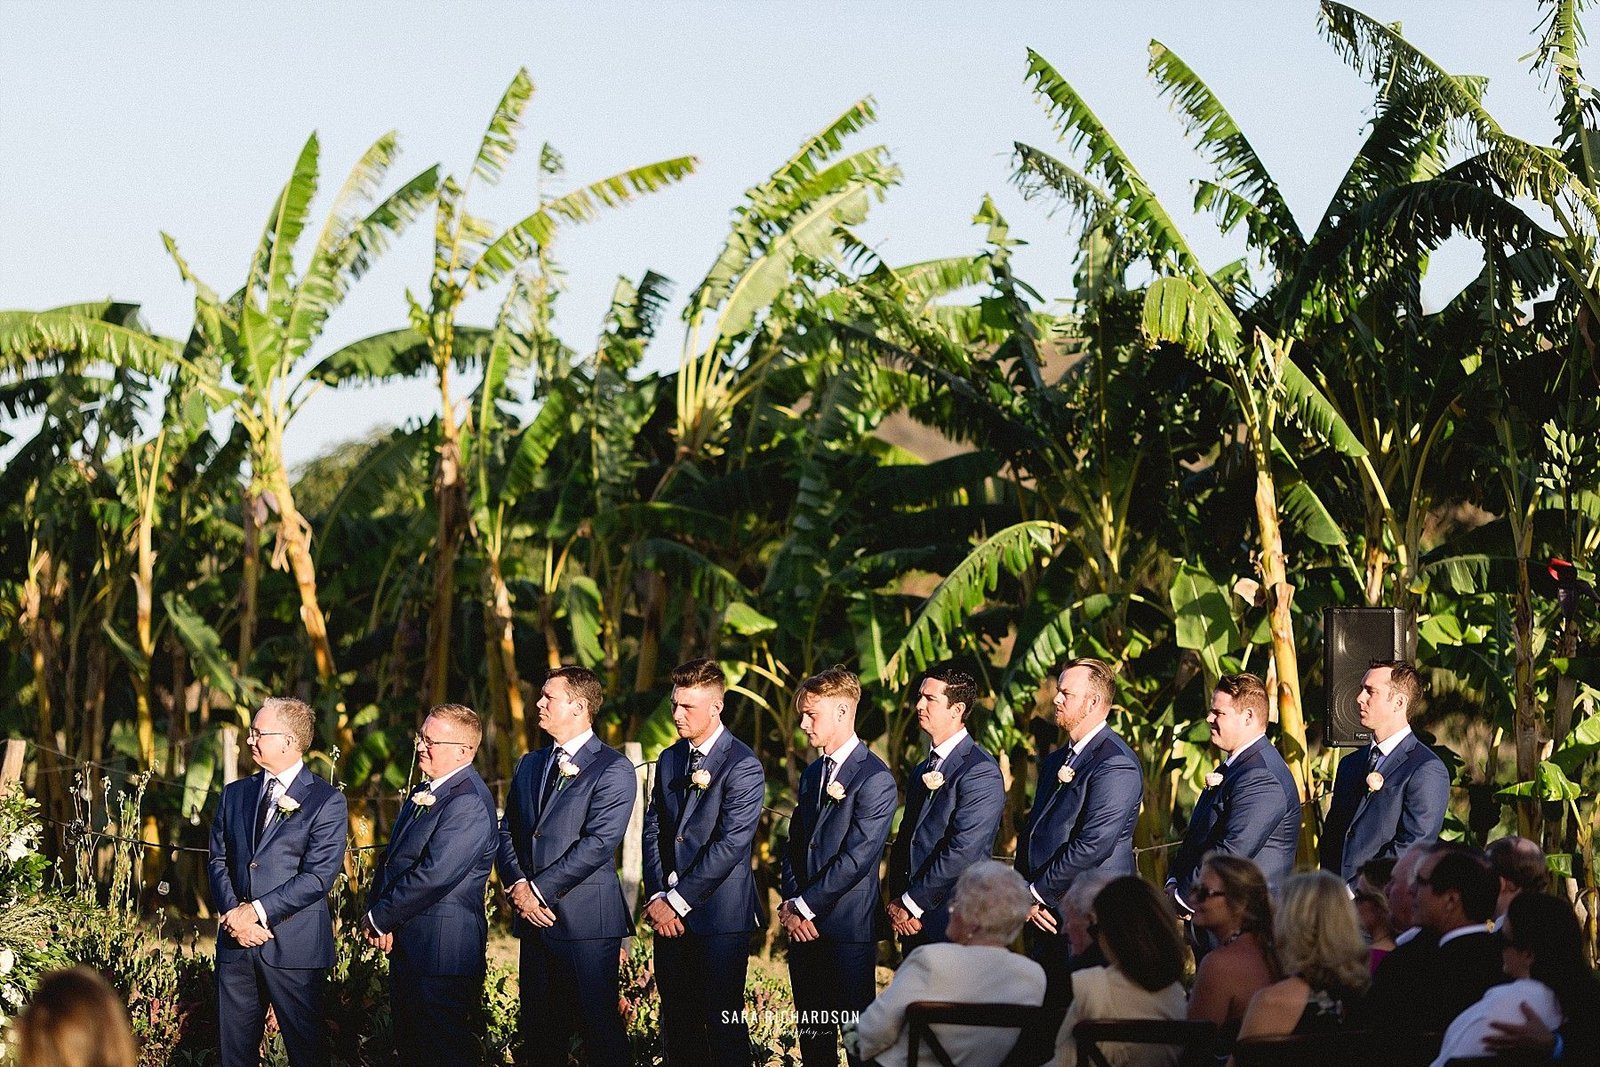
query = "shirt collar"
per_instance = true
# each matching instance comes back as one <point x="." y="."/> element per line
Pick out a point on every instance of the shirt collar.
<point x="1079" y="746"/>
<point x="943" y="751"/>
<point x="1408" y="934"/>
<point x="1241" y="750"/>
<point x="286" y="779"/>
<point x="1463" y="931"/>
<point x="573" y="745"/>
<point x="1388" y="744"/>
<point x="843" y="752"/>
<point x="435" y="783"/>
<point x="705" y="749"/>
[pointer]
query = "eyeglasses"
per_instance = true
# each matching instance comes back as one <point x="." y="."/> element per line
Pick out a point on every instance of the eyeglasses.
<point x="1200" y="893"/>
<point x="427" y="744"/>
<point x="255" y="735"/>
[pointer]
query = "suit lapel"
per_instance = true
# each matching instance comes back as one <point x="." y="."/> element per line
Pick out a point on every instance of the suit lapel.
<point x="297" y="790"/>
<point x="711" y="765"/>
<point x="846" y="779"/>
<point x="957" y="762"/>
<point x="1394" y="762"/>
<point x="581" y="759"/>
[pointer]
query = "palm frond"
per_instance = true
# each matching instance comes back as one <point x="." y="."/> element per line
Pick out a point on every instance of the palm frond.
<point x="500" y="138"/>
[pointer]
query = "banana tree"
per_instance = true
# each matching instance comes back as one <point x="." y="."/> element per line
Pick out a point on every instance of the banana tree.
<point x="249" y="353"/>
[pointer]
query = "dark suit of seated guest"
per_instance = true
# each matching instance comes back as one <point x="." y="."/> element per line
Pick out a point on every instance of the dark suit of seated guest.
<point x="1322" y="952"/>
<point x="987" y="911"/>
<point x="1455" y="900"/>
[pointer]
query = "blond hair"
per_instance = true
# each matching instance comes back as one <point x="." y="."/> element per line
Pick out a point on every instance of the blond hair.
<point x="461" y="715"/>
<point x="1319" y="934"/>
<point x="296" y="718"/>
<point x="837" y="681"/>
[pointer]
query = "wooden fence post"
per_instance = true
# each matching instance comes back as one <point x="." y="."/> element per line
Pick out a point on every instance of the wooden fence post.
<point x="633" y="842"/>
<point x="228" y="752"/>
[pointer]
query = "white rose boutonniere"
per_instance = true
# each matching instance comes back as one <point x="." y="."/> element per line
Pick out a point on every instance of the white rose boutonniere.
<point x="1066" y="774"/>
<point x="424" y="799"/>
<point x="835" y="791"/>
<point x="701" y="779"/>
<point x="1374" y="782"/>
<point x="1213" y="779"/>
<point x="933" y="780"/>
<point x="287" y="806"/>
<point x="568" y="771"/>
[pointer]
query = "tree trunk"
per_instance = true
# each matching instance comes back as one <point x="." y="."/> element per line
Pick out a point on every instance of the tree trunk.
<point x="1566" y="694"/>
<point x="1280" y="596"/>
<point x="1527" y="721"/>
<point x="250" y="580"/>
<point x="293" y="552"/>
<point x="450" y="505"/>
<point x="502" y="657"/>
<point x="143" y="581"/>
<point x="38" y="622"/>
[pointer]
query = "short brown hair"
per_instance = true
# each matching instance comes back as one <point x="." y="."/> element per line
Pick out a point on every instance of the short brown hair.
<point x="296" y="718"/>
<point x="1102" y="679"/>
<point x="700" y="674"/>
<point x="459" y="714"/>
<point x="1248" y="692"/>
<point x="583" y="684"/>
<point x="1403" y="679"/>
<point x="1520" y="862"/>
<point x="959" y="687"/>
<point x="836" y="681"/>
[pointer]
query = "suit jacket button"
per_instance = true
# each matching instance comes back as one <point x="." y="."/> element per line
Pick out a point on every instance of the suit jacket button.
<point x="252" y="866"/>
<point x="536" y="833"/>
<point x="680" y="839"/>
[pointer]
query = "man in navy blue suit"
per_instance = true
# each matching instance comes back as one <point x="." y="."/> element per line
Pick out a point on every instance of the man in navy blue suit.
<point x="1392" y="793"/>
<point x="277" y="844"/>
<point x="698" y="835"/>
<point x="1084" y="811"/>
<point x="954" y="801"/>
<point x="565" y="817"/>
<point x="1251" y="805"/>
<point x="425" y="909"/>
<point x="831" y="907"/>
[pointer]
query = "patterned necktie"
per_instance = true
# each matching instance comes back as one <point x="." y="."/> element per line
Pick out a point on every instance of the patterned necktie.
<point x="695" y="758"/>
<point x="934" y="761"/>
<point x="1373" y="758"/>
<point x="552" y="775"/>
<point x="269" y="798"/>
<point x="827" y="777"/>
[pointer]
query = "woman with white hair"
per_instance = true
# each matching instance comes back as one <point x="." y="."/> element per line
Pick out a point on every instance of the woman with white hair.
<point x="976" y="966"/>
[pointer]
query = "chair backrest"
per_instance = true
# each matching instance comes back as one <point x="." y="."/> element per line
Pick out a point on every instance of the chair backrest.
<point x="923" y="1015"/>
<point x="1091" y="1034"/>
<point x="1339" y="1048"/>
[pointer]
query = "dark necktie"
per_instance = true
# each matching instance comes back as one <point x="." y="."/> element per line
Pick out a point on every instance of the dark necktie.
<point x="1373" y="759"/>
<point x="827" y="777"/>
<point x="269" y="797"/>
<point x="934" y="761"/>
<point x="552" y="775"/>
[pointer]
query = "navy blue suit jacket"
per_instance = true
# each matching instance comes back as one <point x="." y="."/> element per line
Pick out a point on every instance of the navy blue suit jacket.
<point x="945" y="831"/>
<point x="428" y="890"/>
<point x="1364" y="825"/>
<point x="1254" y="813"/>
<point x="290" y="870"/>
<point x="567" y="848"/>
<point x="705" y="836"/>
<point x="1085" y="824"/>
<point x="831" y="858"/>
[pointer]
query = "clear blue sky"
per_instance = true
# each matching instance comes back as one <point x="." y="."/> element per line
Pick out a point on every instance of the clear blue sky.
<point x="119" y="120"/>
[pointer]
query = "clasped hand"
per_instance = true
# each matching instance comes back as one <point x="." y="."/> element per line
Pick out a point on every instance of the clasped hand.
<point x="797" y="926"/>
<point x="244" y="926"/>
<point x="526" y="901"/>
<point x="665" y="921"/>
<point x="901" y="921"/>
<point x="1043" y="918"/>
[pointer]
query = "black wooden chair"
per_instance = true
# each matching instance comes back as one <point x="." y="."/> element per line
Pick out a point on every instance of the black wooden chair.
<point x="922" y="1016"/>
<point x="1340" y="1048"/>
<point x="1192" y="1038"/>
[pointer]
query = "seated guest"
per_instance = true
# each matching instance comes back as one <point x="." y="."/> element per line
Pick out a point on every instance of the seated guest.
<point x="1424" y="990"/>
<point x="1077" y="914"/>
<point x="1520" y="866"/>
<point x="989" y="905"/>
<point x="1550" y="979"/>
<point x="1231" y="904"/>
<point x="75" y="1020"/>
<point x="1321" y="950"/>
<point x="1372" y="908"/>
<point x="1138" y="931"/>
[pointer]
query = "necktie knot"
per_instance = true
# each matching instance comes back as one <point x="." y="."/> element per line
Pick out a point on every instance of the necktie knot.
<point x="934" y="760"/>
<point x="1373" y="757"/>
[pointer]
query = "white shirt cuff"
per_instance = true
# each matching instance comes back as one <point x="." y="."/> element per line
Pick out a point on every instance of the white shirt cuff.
<point x="536" y="893"/>
<point x="1037" y="898"/>
<point x="679" y="905"/>
<point x="803" y="908"/>
<point x="369" y="922"/>
<point x="261" y="913"/>
<point x="910" y="905"/>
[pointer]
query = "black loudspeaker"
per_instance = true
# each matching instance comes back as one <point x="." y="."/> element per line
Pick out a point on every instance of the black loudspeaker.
<point x="1351" y="639"/>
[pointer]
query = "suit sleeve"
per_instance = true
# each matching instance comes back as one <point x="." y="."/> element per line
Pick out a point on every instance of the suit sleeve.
<point x="319" y="866"/>
<point x="512" y="826"/>
<point x="793" y="850"/>
<point x="880" y="1025"/>
<point x="655" y="879"/>
<point x="604" y="826"/>
<point x="465" y="830"/>
<point x="979" y="807"/>
<point x="862" y="846"/>
<point x="1254" y="810"/>
<point x="1427" y="795"/>
<point x="736" y="833"/>
<point x="1115" y="788"/>
<point x="223" y="895"/>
